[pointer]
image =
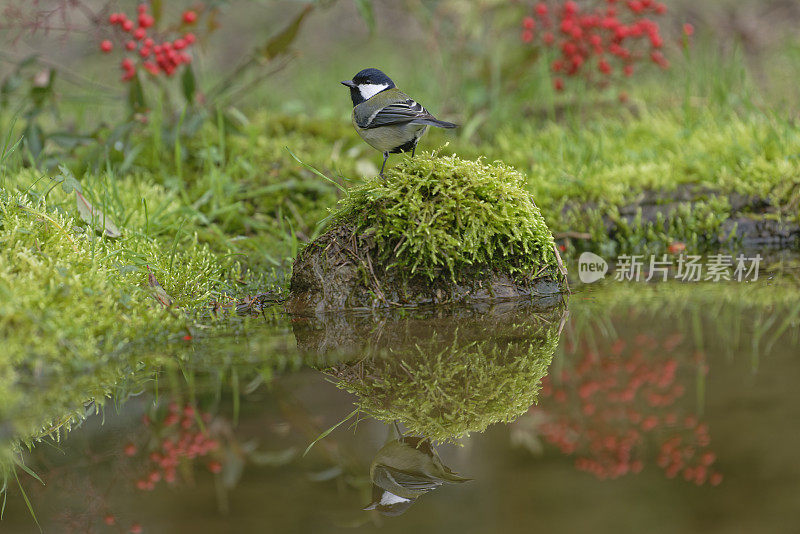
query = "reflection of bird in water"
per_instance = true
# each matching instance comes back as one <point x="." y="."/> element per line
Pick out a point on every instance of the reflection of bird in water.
<point x="404" y="469"/>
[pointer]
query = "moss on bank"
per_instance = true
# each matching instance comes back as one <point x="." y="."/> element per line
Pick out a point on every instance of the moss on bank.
<point x="696" y="167"/>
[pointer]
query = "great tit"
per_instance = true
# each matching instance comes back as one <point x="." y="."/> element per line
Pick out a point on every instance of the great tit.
<point x="385" y="117"/>
<point x="404" y="469"/>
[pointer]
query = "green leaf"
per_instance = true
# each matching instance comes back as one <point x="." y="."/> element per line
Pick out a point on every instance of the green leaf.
<point x="42" y="87"/>
<point x="364" y="8"/>
<point x="189" y="84"/>
<point x="34" y="139"/>
<point x="95" y="218"/>
<point x="136" y="100"/>
<point x="68" y="140"/>
<point x="280" y="43"/>
<point x="68" y="181"/>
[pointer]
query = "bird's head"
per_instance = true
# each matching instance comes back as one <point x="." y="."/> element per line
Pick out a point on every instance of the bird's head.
<point x="366" y="84"/>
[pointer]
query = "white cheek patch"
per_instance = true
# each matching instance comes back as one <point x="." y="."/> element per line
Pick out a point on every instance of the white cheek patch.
<point x="368" y="90"/>
<point x="390" y="498"/>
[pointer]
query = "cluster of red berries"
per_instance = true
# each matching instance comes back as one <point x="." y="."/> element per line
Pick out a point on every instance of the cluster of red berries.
<point x="157" y="55"/>
<point x="606" y="38"/>
<point x="180" y="439"/>
<point x="607" y="407"/>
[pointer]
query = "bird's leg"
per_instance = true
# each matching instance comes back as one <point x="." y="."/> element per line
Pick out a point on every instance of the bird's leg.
<point x="413" y="149"/>
<point x="385" y="157"/>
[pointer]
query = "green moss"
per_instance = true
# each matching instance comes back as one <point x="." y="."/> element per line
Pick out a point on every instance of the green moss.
<point x="583" y="174"/>
<point x="455" y="380"/>
<point x="437" y="214"/>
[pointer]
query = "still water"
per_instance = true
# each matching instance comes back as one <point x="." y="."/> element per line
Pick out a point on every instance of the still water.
<point x="629" y="408"/>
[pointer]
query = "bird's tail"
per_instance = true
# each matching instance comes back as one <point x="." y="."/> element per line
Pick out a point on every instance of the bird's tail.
<point x="436" y="122"/>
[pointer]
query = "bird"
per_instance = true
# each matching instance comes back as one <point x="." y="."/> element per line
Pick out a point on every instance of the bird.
<point x="404" y="469"/>
<point x="385" y="117"/>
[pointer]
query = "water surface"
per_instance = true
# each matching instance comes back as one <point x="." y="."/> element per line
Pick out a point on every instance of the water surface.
<point x="634" y="407"/>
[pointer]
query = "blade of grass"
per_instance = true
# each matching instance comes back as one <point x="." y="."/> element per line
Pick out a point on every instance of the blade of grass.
<point x="317" y="172"/>
<point x="331" y="429"/>
<point x="27" y="501"/>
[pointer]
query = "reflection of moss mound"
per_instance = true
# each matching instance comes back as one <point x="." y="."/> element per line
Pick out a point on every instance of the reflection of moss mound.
<point x="436" y="229"/>
<point x="455" y="381"/>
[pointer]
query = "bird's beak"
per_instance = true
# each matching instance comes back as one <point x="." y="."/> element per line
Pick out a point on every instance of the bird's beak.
<point x="373" y="505"/>
<point x="350" y="83"/>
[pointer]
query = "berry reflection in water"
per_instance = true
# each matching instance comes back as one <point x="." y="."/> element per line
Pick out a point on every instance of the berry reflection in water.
<point x="615" y="404"/>
<point x="177" y="438"/>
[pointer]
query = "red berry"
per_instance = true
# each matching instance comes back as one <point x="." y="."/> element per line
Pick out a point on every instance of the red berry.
<point x="190" y="38"/>
<point x="214" y="466"/>
<point x="189" y="17"/>
<point x="130" y="448"/>
<point x="130" y="45"/>
<point x="688" y="29"/>
<point x="106" y="46"/>
<point x="136" y="528"/>
<point x="558" y="83"/>
<point x="113" y="18"/>
<point x="141" y="8"/>
<point x="708" y="458"/>
<point x="127" y="25"/>
<point x="109" y="520"/>
<point x="527" y="36"/>
<point x="139" y="34"/>
<point x="528" y="23"/>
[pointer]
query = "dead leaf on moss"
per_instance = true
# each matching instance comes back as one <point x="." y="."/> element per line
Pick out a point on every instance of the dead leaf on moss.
<point x="95" y="218"/>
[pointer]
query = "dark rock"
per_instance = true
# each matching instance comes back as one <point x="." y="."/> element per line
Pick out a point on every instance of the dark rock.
<point x="339" y="270"/>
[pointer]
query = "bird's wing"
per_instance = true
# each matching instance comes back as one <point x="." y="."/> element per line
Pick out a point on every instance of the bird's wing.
<point x="410" y="481"/>
<point x="401" y="112"/>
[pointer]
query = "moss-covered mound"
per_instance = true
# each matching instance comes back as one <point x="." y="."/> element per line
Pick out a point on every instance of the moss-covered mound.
<point x="441" y="375"/>
<point x="436" y="229"/>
